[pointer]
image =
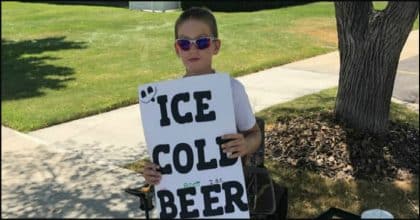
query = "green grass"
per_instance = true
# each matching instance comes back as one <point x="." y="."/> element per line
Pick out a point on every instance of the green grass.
<point x="317" y="102"/>
<point x="63" y="62"/>
<point x="380" y="5"/>
<point x="325" y="101"/>
<point x="310" y="194"/>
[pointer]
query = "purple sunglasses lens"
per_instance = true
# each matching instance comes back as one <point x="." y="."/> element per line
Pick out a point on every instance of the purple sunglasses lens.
<point x="184" y="44"/>
<point x="201" y="43"/>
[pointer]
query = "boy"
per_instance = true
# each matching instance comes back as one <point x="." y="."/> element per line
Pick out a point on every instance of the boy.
<point x="195" y="43"/>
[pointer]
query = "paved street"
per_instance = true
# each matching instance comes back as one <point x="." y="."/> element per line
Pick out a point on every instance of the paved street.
<point x="406" y="87"/>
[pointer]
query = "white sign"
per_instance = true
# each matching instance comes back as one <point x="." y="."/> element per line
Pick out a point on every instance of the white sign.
<point x="183" y="120"/>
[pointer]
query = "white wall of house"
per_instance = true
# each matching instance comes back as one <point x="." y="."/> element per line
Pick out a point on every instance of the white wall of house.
<point x="154" y="5"/>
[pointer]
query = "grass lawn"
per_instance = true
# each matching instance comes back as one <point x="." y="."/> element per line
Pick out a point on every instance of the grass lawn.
<point x="63" y="62"/>
<point x="310" y="194"/>
<point x="324" y="101"/>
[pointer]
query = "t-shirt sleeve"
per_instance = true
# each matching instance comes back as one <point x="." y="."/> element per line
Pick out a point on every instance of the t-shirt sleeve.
<point x="244" y="116"/>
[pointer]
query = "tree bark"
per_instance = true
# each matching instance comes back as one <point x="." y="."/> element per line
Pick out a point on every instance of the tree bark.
<point x="370" y="43"/>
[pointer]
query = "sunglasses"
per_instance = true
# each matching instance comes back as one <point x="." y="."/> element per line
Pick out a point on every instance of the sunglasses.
<point x="201" y="43"/>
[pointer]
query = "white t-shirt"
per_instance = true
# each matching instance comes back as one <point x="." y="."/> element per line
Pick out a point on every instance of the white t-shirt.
<point x="244" y="116"/>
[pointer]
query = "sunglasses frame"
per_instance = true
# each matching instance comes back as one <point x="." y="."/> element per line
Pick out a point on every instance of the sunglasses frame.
<point x="194" y="41"/>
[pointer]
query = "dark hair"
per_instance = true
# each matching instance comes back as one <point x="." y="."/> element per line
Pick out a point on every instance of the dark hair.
<point x="198" y="13"/>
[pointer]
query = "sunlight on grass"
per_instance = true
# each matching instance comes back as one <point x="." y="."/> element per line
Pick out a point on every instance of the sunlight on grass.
<point x="136" y="166"/>
<point x="61" y="63"/>
<point x="48" y="80"/>
<point x="325" y="101"/>
<point x="321" y="101"/>
<point x="379" y="5"/>
<point x="402" y="114"/>
<point x="310" y="194"/>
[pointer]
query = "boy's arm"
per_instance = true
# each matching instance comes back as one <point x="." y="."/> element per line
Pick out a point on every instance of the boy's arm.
<point x="252" y="139"/>
<point x="244" y="143"/>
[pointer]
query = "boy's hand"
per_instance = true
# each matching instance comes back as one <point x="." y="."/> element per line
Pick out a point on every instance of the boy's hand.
<point x="236" y="146"/>
<point x="150" y="173"/>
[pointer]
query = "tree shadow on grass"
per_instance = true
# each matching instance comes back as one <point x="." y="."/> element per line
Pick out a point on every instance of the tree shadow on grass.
<point x="25" y="71"/>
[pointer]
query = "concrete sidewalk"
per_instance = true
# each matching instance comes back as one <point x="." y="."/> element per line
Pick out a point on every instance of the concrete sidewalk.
<point x="330" y="62"/>
<point x="72" y="169"/>
<point x="40" y="180"/>
<point x="406" y="87"/>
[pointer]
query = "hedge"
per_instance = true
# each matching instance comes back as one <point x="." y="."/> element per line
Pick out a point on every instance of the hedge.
<point x="235" y="6"/>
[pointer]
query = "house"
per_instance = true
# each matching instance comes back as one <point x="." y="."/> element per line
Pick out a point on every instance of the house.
<point x="153" y="6"/>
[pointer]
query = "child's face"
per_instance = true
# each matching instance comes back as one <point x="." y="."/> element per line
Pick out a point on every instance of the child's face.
<point x="196" y="61"/>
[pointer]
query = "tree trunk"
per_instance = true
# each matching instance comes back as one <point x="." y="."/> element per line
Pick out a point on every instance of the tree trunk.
<point x="370" y="43"/>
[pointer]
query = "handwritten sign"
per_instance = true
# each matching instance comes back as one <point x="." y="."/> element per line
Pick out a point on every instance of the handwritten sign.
<point x="183" y="122"/>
